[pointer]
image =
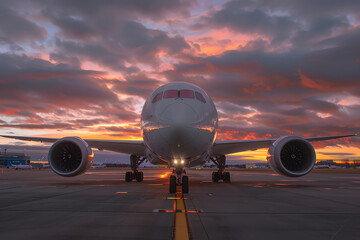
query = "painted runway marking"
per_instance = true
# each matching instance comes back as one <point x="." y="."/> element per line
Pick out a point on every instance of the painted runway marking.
<point x="174" y="198"/>
<point x="181" y="224"/>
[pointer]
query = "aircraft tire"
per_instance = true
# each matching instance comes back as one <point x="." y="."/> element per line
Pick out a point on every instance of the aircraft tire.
<point x="172" y="184"/>
<point x="215" y="177"/>
<point x="128" y="176"/>
<point x="226" y="177"/>
<point x="139" y="176"/>
<point x="185" y="184"/>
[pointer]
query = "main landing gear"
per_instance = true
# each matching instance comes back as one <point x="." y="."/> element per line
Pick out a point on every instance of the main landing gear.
<point x="178" y="179"/>
<point x="135" y="161"/>
<point x="220" y="174"/>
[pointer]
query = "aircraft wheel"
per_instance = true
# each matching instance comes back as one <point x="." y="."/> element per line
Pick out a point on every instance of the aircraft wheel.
<point x="172" y="184"/>
<point x="215" y="176"/>
<point x="128" y="176"/>
<point x="139" y="176"/>
<point x="226" y="177"/>
<point x="185" y="184"/>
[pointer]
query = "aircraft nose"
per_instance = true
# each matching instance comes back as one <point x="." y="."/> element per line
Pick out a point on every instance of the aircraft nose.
<point x="179" y="113"/>
<point x="179" y="140"/>
<point x="179" y="134"/>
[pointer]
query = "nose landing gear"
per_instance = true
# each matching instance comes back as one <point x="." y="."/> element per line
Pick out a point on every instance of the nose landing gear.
<point x="178" y="179"/>
<point x="220" y="174"/>
<point x="135" y="161"/>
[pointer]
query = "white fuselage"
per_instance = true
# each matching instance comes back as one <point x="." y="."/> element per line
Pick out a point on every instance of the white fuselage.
<point x="179" y="122"/>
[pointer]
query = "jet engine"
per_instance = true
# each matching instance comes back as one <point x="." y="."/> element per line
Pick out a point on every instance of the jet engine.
<point x="291" y="156"/>
<point x="70" y="156"/>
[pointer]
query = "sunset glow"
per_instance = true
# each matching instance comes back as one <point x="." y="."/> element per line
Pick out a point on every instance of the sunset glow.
<point x="66" y="70"/>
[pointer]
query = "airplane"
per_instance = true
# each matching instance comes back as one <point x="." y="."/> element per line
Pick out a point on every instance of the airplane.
<point x="179" y="122"/>
<point x="20" y="166"/>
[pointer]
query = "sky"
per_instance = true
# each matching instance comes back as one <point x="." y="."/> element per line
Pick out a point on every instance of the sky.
<point x="273" y="68"/>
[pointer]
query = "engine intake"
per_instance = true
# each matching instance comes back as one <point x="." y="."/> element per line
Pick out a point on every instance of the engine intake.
<point x="70" y="156"/>
<point x="291" y="156"/>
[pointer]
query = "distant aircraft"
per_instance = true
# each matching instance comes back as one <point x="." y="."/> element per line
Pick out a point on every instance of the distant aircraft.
<point x="45" y="165"/>
<point x="16" y="167"/>
<point x="322" y="166"/>
<point x="98" y="166"/>
<point x="179" y="123"/>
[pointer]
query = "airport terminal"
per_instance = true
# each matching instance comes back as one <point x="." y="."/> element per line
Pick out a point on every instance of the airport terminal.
<point x="9" y="159"/>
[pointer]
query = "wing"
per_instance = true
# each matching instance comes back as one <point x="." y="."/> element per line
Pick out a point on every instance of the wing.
<point x="128" y="147"/>
<point x="228" y="147"/>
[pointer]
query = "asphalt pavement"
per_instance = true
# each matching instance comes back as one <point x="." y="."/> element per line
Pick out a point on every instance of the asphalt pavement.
<point x="37" y="204"/>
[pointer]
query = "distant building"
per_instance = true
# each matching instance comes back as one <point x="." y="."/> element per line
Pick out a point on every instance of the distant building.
<point x="118" y="165"/>
<point x="8" y="159"/>
<point x="348" y="163"/>
<point x="257" y="165"/>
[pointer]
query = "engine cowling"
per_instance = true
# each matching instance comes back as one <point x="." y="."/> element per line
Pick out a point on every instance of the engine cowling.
<point x="291" y="156"/>
<point x="70" y="156"/>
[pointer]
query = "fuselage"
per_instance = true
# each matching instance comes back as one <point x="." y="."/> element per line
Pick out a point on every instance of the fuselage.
<point x="179" y="123"/>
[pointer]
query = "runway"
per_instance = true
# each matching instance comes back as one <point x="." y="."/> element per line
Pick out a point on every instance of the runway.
<point x="37" y="204"/>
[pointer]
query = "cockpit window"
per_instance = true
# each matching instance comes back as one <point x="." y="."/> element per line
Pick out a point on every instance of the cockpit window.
<point x="186" y="93"/>
<point x="158" y="97"/>
<point x="171" y="94"/>
<point x="200" y="97"/>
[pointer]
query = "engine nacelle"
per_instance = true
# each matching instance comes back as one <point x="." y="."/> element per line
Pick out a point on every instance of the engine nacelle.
<point x="70" y="156"/>
<point x="291" y="156"/>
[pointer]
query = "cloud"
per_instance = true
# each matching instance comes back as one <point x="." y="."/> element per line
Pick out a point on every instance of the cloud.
<point x="307" y="8"/>
<point x="94" y="52"/>
<point x="70" y="61"/>
<point x="133" y="43"/>
<point x="96" y="11"/>
<point x="318" y="29"/>
<point x="35" y="84"/>
<point x="43" y="95"/>
<point x="337" y="154"/>
<point x="294" y="73"/>
<point x="253" y="21"/>
<point x="297" y="24"/>
<point x="281" y="93"/>
<point x="14" y="28"/>
<point x="135" y="84"/>
<point x="273" y="68"/>
<point x="36" y="126"/>
<point x="109" y="32"/>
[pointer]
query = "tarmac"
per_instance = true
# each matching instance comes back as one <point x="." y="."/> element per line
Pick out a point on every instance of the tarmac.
<point x="38" y="204"/>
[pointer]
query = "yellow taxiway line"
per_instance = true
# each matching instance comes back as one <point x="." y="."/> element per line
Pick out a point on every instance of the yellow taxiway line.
<point x="181" y="223"/>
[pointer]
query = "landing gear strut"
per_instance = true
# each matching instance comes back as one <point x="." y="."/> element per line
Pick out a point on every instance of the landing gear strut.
<point x="178" y="179"/>
<point x="135" y="161"/>
<point x="220" y="174"/>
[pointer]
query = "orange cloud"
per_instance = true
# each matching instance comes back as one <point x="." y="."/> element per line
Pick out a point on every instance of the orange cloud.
<point x="216" y="41"/>
<point x="314" y="83"/>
